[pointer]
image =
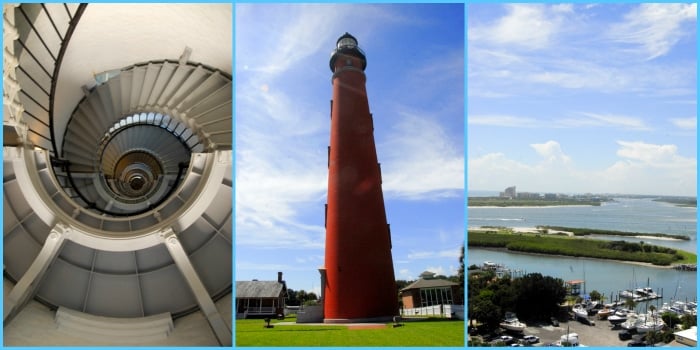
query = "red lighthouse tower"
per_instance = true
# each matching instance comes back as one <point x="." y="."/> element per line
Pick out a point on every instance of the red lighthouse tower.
<point x="359" y="283"/>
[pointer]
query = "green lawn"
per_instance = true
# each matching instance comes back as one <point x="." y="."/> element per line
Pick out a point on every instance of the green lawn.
<point x="436" y="332"/>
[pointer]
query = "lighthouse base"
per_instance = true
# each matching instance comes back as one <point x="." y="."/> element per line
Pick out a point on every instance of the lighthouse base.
<point x="380" y="319"/>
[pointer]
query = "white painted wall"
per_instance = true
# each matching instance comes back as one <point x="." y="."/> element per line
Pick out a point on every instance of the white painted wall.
<point x="35" y="326"/>
<point x="113" y="36"/>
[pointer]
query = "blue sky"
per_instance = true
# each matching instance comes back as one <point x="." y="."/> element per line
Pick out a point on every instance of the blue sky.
<point x="415" y="83"/>
<point x="582" y="98"/>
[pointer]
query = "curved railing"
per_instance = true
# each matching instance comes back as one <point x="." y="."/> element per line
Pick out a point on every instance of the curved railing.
<point x="44" y="32"/>
<point x="189" y="101"/>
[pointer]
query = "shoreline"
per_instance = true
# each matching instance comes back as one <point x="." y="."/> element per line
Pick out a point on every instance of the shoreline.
<point x="529" y="206"/>
<point x="638" y="263"/>
<point x="531" y="229"/>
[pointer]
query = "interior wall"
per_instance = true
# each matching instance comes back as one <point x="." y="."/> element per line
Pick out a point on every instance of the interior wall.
<point x="35" y="326"/>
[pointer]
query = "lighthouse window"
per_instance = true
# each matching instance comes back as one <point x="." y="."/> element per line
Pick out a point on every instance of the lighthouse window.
<point x="347" y="42"/>
<point x="348" y="62"/>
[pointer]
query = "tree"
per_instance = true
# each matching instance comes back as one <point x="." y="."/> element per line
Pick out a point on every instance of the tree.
<point x="630" y="304"/>
<point x="689" y="321"/>
<point x="292" y="297"/>
<point x="538" y="297"/>
<point x="484" y="310"/>
<point x="460" y="275"/>
<point x="671" y="319"/>
<point x="595" y="295"/>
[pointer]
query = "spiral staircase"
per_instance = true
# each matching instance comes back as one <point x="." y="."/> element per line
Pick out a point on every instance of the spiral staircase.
<point x="117" y="210"/>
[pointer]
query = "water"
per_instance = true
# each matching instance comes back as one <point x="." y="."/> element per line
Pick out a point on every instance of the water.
<point x="602" y="275"/>
<point x="623" y="214"/>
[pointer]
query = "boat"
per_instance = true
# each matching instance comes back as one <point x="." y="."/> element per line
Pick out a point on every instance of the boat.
<point x="680" y="308"/>
<point x="580" y="311"/>
<point x="616" y="319"/>
<point x="650" y="323"/>
<point x="630" y="294"/>
<point x="633" y="321"/>
<point x="512" y="323"/>
<point x="604" y="313"/>
<point x="570" y="338"/>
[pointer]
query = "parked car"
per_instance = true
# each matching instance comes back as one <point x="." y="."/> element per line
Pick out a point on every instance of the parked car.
<point x="624" y="335"/>
<point x="636" y="343"/>
<point x="531" y="339"/>
<point x="506" y="339"/>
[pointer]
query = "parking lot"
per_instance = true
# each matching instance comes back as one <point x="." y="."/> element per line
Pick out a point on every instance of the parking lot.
<point x="598" y="334"/>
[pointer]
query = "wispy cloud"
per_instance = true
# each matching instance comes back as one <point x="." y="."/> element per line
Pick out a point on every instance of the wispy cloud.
<point x="507" y="121"/>
<point x="582" y="119"/>
<point x="620" y="121"/>
<point x="527" y="26"/>
<point x="579" y="55"/>
<point x="421" y="160"/>
<point x="685" y="123"/>
<point x="654" y="28"/>
<point x="448" y="253"/>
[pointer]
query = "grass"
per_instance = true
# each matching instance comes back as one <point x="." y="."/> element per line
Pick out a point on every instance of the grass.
<point x="431" y="332"/>
<point x="569" y="246"/>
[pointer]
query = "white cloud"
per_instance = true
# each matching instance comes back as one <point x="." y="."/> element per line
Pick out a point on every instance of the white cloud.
<point x="651" y="154"/>
<point x="685" y="123"/>
<point x="588" y="120"/>
<point x="447" y="253"/>
<point x="528" y="26"/>
<point x="580" y="55"/>
<point x="420" y="160"/>
<point x="642" y="168"/>
<point x="656" y="28"/>
<point x="612" y="120"/>
<point x="551" y="152"/>
<point x="440" y="270"/>
<point x="509" y="121"/>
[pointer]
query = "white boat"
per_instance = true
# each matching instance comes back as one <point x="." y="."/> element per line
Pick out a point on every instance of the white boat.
<point x="512" y="323"/>
<point x="650" y="323"/>
<point x="571" y="338"/>
<point x="580" y="311"/>
<point x="616" y="320"/>
<point x="632" y="322"/>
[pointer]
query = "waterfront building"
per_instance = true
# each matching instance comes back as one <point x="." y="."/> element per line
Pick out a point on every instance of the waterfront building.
<point x="358" y="277"/>
<point x="509" y="193"/>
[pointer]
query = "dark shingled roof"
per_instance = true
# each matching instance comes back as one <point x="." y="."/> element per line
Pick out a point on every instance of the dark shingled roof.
<point x="258" y="289"/>
<point x="429" y="283"/>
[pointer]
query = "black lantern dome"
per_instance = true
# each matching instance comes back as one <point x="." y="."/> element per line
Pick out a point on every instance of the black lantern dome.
<point x="347" y="44"/>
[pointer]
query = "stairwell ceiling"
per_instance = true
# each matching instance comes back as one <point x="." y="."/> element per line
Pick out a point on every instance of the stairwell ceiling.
<point x="113" y="36"/>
